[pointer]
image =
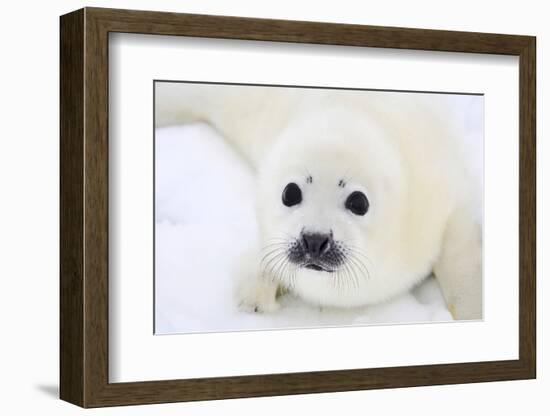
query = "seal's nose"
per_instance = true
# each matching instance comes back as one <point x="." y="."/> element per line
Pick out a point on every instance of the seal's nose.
<point x="316" y="244"/>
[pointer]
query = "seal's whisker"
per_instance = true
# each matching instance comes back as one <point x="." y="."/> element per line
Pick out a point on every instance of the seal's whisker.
<point x="277" y="240"/>
<point x="281" y="269"/>
<point x="357" y="251"/>
<point x="288" y="272"/>
<point x="346" y="269"/>
<point x="341" y="273"/>
<point x="353" y="272"/>
<point x="266" y="265"/>
<point x="274" y="270"/>
<point x="274" y="260"/>
<point x="337" y="279"/>
<point x="292" y="280"/>
<point x="273" y="252"/>
<point x="348" y="273"/>
<point x="358" y="263"/>
<point x="348" y="276"/>
<point x="272" y="245"/>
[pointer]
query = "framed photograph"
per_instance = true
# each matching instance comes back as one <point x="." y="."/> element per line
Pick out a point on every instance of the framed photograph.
<point x="254" y="207"/>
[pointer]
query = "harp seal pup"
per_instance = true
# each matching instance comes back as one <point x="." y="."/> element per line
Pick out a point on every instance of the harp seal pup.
<point x="361" y="195"/>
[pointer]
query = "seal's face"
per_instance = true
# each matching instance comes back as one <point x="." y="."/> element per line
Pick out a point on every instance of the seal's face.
<point x="327" y="194"/>
<point x="318" y="229"/>
<point x="317" y="249"/>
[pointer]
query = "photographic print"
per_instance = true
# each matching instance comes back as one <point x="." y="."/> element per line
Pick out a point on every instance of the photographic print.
<point x="297" y="207"/>
<point x="284" y="188"/>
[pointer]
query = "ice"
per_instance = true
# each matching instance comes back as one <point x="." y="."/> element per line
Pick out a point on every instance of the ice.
<point x="205" y="219"/>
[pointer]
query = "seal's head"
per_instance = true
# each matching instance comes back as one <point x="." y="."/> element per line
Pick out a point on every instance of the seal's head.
<point x="331" y="195"/>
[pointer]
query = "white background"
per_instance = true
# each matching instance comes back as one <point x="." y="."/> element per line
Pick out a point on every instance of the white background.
<point x="29" y="217"/>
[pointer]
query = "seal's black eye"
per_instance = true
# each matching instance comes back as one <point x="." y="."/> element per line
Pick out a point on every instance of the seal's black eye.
<point x="357" y="203"/>
<point x="292" y="195"/>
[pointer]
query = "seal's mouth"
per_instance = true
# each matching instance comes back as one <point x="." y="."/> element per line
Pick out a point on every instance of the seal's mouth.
<point x="316" y="267"/>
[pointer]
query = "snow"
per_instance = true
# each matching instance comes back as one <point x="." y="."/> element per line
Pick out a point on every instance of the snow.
<point x="205" y="219"/>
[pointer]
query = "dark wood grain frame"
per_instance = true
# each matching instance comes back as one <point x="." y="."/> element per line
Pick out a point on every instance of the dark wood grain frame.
<point x="84" y="218"/>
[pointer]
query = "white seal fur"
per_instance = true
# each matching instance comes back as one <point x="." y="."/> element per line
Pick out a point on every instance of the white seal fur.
<point x="395" y="148"/>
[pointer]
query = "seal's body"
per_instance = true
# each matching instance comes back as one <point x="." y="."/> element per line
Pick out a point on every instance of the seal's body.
<point x="361" y="194"/>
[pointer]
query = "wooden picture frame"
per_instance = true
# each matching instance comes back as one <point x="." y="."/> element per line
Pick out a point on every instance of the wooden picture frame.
<point x="84" y="207"/>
